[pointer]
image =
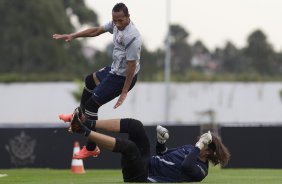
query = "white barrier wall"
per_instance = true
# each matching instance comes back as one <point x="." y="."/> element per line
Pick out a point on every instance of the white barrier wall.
<point x="225" y="103"/>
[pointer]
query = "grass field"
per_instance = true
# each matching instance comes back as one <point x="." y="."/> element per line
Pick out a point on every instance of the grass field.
<point x="53" y="176"/>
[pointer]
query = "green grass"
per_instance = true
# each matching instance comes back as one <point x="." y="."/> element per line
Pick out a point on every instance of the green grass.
<point x="53" y="176"/>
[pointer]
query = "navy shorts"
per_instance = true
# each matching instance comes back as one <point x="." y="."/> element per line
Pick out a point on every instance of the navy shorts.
<point x="110" y="86"/>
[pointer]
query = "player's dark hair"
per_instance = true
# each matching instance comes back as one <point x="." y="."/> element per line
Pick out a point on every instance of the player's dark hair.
<point x="219" y="153"/>
<point x="121" y="7"/>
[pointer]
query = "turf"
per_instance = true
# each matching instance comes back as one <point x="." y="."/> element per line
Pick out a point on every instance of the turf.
<point x="53" y="176"/>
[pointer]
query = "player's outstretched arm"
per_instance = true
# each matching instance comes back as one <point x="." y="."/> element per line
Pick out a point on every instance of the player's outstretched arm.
<point x="66" y="37"/>
<point x="91" y="32"/>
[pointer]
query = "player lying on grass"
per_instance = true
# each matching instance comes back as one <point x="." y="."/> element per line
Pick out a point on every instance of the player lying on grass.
<point x="187" y="163"/>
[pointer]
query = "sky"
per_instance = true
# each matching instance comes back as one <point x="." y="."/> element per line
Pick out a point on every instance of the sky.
<point x="213" y="22"/>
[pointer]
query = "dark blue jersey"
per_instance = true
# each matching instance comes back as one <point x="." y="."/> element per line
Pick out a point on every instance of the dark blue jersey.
<point x="178" y="165"/>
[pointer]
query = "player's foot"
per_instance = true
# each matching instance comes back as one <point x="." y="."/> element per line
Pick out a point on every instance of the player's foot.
<point x="84" y="153"/>
<point x="76" y="124"/>
<point x="66" y="117"/>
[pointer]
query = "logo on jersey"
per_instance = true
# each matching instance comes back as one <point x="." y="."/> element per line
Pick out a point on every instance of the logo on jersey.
<point x="119" y="39"/>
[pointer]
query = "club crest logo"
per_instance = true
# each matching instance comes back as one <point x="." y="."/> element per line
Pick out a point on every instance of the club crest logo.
<point x="21" y="149"/>
<point x="119" y="39"/>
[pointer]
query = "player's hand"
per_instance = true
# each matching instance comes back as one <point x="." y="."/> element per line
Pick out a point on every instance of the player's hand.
<point x="120" y="99"/>
<point x="66" y="37"/>
<point x="204" y="140"/>
<point x="162" y="134"/>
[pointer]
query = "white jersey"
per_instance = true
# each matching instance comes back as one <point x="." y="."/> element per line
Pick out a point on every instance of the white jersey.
<point x="127" y="47"/>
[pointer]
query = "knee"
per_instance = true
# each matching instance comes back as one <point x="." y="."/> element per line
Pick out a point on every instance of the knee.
<point x="127" y="147"/>
<point x="131" y="148"/>
<point x="136" y="125"/>
<point x="92" y="105"/>
<point x="129" y="125"/>
<point x="89" y="82"/>
<point x="131" y="151"/>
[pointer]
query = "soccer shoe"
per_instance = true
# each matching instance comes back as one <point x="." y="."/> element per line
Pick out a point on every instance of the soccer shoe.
<point x="76" y="124"/>
<point x="66" y="117"/>
<point x="162" y="134"/>
<point x="84" y="153"/>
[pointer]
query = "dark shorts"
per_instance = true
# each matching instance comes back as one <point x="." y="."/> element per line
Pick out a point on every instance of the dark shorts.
<point x="110" y="86"/>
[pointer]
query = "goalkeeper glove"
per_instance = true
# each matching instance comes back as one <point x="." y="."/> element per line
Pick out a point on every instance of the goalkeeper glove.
<point x="162" y="134"/>
<point x="205" y="139"/>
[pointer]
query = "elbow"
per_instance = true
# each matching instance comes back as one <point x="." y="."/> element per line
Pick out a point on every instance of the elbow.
<point x="198" y="179"/>
<point x="186" y="168"/>
<point x="94" y="34"/>
<point x="193" y="173"/>
<point x="131" y="67"/>
<point x="132" y="64"/>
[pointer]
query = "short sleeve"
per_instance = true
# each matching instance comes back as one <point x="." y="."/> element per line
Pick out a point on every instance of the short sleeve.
<point x="109" y="27"/>
<point x="133" y="49"/>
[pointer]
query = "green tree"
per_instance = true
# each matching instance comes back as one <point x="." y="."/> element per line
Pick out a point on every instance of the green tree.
<point x="201" y="56"/>
<point x="260" y="53"/>
<point x="152" y="64"/>
<point x="84" y="14"/>
<point x="199" y="48"/>
<point x="232" y="60"/>
<point x="278" y="63"/>
<point x="180" y="49"/>
<point x="26" y="38"/>
<point x="103" y="58"/>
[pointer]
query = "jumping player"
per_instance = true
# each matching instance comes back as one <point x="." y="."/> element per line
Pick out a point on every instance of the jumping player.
<point x="112" y="81"/>
<point x="187" y="163"/>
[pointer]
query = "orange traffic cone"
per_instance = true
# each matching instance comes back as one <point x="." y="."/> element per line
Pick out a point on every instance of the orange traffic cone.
<point x="77" y="164"/>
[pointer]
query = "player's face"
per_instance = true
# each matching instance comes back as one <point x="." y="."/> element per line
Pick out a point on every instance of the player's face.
<point x="120" y="20"/>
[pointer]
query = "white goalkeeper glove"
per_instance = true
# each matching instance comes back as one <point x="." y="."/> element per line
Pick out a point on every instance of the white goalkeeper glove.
<point x="162" y="134"/>
<point x="205" y="139"/>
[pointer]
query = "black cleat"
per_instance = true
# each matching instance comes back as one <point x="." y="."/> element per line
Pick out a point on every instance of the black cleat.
<point x="76" y="122"/>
